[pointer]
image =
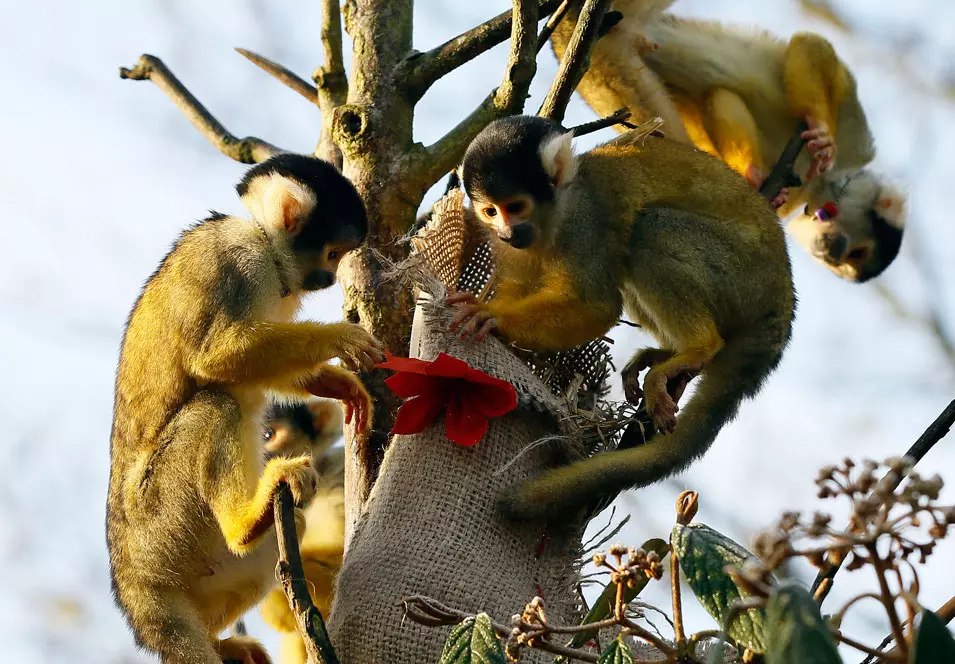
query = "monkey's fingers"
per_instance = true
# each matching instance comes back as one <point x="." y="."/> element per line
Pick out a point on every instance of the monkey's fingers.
<point x="463" y="313"/>
<point x="781" y="199"/>
<point x="489" y="325"/>
<point x="479" y="319"/>
<point x="461" y="297"/>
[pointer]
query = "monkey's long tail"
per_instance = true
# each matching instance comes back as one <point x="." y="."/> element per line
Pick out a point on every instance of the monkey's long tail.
<point x="735" y="373"/>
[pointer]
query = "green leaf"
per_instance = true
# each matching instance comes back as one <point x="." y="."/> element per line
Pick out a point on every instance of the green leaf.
<point x="473" y="641"/>
<point x="933" y="642"/>
<point x="797" y="632"/>
<point x="616" y="653"/>
<point x="603" y="607"/>
<point x="703" y="553"/>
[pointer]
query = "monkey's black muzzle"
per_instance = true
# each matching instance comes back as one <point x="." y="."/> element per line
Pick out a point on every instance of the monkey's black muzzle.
<point x="519" y="236"/>
<point x="317" y="280"/>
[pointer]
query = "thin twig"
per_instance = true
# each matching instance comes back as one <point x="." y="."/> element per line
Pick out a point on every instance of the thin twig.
<point x="249" y="150"/>
<point x="945" y="612"/>
<point x="552" y="24"/>
<point x="866" y="649"/>
<point x="429" y="164"/>
<point x="283" y="74"/>
<point x="617" y="117"/>
<point x="576" y="59"/>
<point x="289" y="570"/>
<point x="428" y="67"/>
<point x="677" y="600"/>
<point x="783" y="174"/>
<point x="330" y="79"/>
<point x="934" y="433"/>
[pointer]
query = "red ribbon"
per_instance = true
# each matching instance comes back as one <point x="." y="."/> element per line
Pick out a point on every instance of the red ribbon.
<point x="468" y="396"/>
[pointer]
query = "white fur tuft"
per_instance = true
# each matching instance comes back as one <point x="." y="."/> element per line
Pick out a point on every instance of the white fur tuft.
<point x="557" y="158"/>
<point x="891" y="206"/>
<point x="278" y="202"/>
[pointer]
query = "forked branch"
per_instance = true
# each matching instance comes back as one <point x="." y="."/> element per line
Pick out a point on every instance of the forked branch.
<point x="440" y="61"/>
<point x="248" y="150"/>
<point x="576" y="59"/>
<point x="440" y="157"/>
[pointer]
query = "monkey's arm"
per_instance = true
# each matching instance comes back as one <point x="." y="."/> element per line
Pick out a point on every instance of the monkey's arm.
<point x="554" y="318"/>
<point x="277" y="355"/>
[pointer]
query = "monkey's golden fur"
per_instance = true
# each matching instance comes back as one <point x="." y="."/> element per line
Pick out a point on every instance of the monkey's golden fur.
<point x="190" y="497"/>
<point x="323" y="544"/>
<point x="739" y="94"/>
<point x="690" y="251"/>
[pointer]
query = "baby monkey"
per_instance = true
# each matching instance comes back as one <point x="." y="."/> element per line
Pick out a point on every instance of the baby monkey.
<point x="310" y="428"/>
<point x="190" y="494"/>
<point x="643" y="224"/>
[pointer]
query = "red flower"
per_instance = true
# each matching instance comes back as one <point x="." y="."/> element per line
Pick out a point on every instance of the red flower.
<point x="469" y="396"/>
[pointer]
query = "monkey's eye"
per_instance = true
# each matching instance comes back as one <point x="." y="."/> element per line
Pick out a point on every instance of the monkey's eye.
<point x="268" y="434"/>
<point x="857" y="254"/>
<point x="490" y="212"/>
<point x="516" y="207"/>
<point x="332" y="255"/>
<point x="805" y="209"/>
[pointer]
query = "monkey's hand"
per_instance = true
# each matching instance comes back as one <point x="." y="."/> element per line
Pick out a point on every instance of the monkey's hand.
<point x="243" y="649"/>
<point x="474" y="318"/>
<point x="821" y="146"/>
<point x="336" y="383"/>
<point x="358" y="350"/>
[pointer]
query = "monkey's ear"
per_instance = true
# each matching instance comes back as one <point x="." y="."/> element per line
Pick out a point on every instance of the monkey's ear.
<point x="327" y="416"/>
<point x="557" y="158"/>
<point x="279" y="202"/>
<point x="891" y="206"/>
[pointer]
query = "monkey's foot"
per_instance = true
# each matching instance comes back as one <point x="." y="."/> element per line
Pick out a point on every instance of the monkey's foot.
<point x="821" y="146"/>
<point x="781" y="198"/>
<point x="663" y="390"/>
<point x="755" y="176"/>
<point x="243" y="649"/>
<point x="473" y="319"/>
<point x="644" y="359"/>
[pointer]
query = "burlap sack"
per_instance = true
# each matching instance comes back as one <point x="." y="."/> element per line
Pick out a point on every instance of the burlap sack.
<point x="431" y="526"/>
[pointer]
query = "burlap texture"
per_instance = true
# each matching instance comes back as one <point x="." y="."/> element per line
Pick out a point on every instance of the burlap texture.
<point x="431" y="524"/>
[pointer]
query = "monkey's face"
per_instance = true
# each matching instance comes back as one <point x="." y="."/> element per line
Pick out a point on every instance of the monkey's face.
<point x="513" y="218"/>
<point x="288" y="431"/>
<point x="852" y="224"/>
<point x="512" y="172"/>
<point x="311" y="208"/>
<point x="319" y="268"/>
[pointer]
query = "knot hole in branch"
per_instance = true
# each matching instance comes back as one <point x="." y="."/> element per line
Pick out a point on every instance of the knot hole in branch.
<point x="349" y="124"/>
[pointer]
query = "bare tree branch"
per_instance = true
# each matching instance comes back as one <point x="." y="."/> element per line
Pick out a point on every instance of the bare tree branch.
<point x="617" y="117"/>
<point x="440" y="157"/>
<point x="551" y="24"/>
<point x="285" y="75"/>
<point x="290" y="573"/>
<point x="331" y="80"/>
<point x="248" y="150"/>
<point x="783" y="174"/>
<point x="576" y="59"/>
<point x="426" y="68"/>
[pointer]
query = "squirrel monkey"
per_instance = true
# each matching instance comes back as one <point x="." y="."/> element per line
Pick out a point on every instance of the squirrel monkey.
<point x="740" y="94"/>
<point x="190" y="495"/>
<point x="643" y="224"/>
<point x="310" y="428"/>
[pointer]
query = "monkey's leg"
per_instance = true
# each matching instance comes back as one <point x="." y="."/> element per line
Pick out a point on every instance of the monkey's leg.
<point x="816" y="84"/>
<point x="735" y="134"/>
<point x="229" y="468"/>
<point x="169" y="624"/>
<point x="643" y="359"/>
<point x="661" y="406"/>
